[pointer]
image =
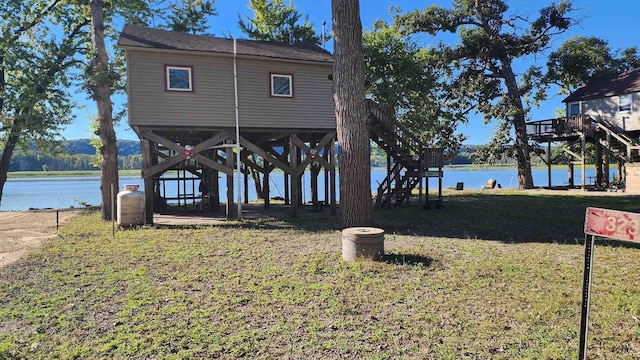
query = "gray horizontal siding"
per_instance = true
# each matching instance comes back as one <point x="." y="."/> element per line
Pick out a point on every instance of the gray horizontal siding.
<point x="607" y="108"/>
<point x="211" y="104"/>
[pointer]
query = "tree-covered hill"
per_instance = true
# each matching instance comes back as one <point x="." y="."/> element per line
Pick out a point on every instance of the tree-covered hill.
<point x="84" y="147"/>
<point x="78" y="154"/>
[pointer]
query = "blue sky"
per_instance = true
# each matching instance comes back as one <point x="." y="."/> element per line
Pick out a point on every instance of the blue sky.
<point x="614" y="21"/>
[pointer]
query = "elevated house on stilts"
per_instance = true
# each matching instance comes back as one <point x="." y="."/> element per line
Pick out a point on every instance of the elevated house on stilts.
<point x="605" y="112"/>
<point x="206" y="107"/>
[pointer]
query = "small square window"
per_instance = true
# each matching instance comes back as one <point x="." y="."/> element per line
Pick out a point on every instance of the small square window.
<point x="624" y="102"/>
<point x="574" y="109"/>
<point x="281" y="85"/>
<point x="179" y="78"/>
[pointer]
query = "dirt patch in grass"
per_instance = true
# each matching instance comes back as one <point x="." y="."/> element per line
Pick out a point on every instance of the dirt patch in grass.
<point x="23" y="231"/>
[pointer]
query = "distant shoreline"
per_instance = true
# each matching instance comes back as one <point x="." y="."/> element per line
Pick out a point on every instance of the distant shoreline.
<point x="34" y="174"/>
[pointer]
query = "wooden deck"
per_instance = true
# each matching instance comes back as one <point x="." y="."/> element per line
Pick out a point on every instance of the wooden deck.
<point x="561" y="129"/>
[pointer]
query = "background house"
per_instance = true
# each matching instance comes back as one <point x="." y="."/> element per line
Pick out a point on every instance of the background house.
<point x="613" y="98"/>
<point x="606" y="112"/>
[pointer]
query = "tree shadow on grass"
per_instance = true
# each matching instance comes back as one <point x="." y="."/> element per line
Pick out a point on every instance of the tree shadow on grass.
<point x="254" y="216"/>
<point x="499" y="216"/>
<point x="506" y="217"/>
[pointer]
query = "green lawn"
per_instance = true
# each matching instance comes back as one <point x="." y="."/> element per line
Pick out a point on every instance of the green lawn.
<point x="492" y="275"/>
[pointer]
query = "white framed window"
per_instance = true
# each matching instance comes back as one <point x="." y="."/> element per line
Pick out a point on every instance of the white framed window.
<point x="281" y="85"/>
<point x="178" y="78"/>
<point x="574" y="109"/>
<point x="624" y="102"/>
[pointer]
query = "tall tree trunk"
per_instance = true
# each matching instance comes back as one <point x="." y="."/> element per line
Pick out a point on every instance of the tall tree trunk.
<point x="2" y="80"/>
<point x="7" y="152"/>
<point x="102" y="95"/>
<point x="5" y="160"/>
<point x="356" y="207"/>
<point x="525" y="178"/>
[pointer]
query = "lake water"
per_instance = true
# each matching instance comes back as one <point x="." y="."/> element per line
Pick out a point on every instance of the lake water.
<point x="64" y="192"/>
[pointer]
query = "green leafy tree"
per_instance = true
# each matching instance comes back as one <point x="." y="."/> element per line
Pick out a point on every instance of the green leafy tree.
<point x="190" y="16"/>
<point x="101" y="80"/>
<point x="480" y="67"/>
<point x="580" y="58"/>
<point x="400" y="74"/>
<point x="38" y="67"/>
<point x="356" y="208"/>
<point x="99" y="83"/>
<point x="34" y="100"/>
<point x="273" y="20"/>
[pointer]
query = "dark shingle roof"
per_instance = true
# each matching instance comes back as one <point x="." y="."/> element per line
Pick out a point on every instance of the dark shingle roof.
<point x="138" y="36"/>
<point x="607" y="85"/>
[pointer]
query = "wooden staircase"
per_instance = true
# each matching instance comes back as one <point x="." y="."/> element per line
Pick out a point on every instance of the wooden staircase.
<point x="403" y="148"/>
<point x="619" y="142"/>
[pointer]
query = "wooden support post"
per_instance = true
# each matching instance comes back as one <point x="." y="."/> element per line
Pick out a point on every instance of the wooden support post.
<point x="583" y="145"/>
<point x="298" y="178"/>
<point x="549" y="163"/>
<point x="326" y="173"/>
<point x="230" y="205"/>
<point x="622" y="172"/>
<point x="606" y="156"/>
<point x="295" y="184"/>
<point x="315" y="171"/>
<point x="571" y="181"/>
<point x="147" y="159"/>
<point x="246" y="184"/>
<point x="214" y="191"/>
<point x="599" y="169"/>
<point x="389" y="191"/>
<point x="287" y="200"/>
<point x="266" y="189"/>
<point x="332" y="182"/>
<point x="421" y="161"/>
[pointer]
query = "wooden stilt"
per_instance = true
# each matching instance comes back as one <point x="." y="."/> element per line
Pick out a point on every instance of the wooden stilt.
<point x="267" y="189"/>
<point x="549" y="163"/>
<point x="571" y="180"/>
<point x="326" y="187"/>
<point x="606" y="155"/>
<point x="246" y="184"/>
<point x="314" y="170"/>
<point x="295" y="184"/>
<point x="287" y="200"/>
<point x="230" y="194"/>
<point x="583" y="145"/>
<point x="214" y="191"/>
<point x="599" y="169"/>
<point x="298" y="179"/>
<point x="332" y="183"/>
<point x="147" y="159"/>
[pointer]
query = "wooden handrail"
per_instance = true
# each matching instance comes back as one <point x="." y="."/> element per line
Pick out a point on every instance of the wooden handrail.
<point x="385" y="115"/>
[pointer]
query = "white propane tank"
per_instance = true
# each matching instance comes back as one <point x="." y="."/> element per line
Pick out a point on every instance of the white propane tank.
<point x="130" y="206"/>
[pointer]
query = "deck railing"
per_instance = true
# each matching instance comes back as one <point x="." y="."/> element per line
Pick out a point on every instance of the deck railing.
<point x="561" y="126"/>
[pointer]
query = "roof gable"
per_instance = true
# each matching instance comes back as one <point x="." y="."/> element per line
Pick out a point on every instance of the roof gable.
<point x="133" y="36"/>
<point x="607" y="85"/>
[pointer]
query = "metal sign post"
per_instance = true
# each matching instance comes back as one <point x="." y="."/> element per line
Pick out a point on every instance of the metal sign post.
<point x="589" y="241"/>
<point x="614" y="224"/>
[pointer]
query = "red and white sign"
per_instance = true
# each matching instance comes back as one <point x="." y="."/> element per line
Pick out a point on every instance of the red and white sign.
<point x="615" y="224"/>
<point x="188" y="151"/>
